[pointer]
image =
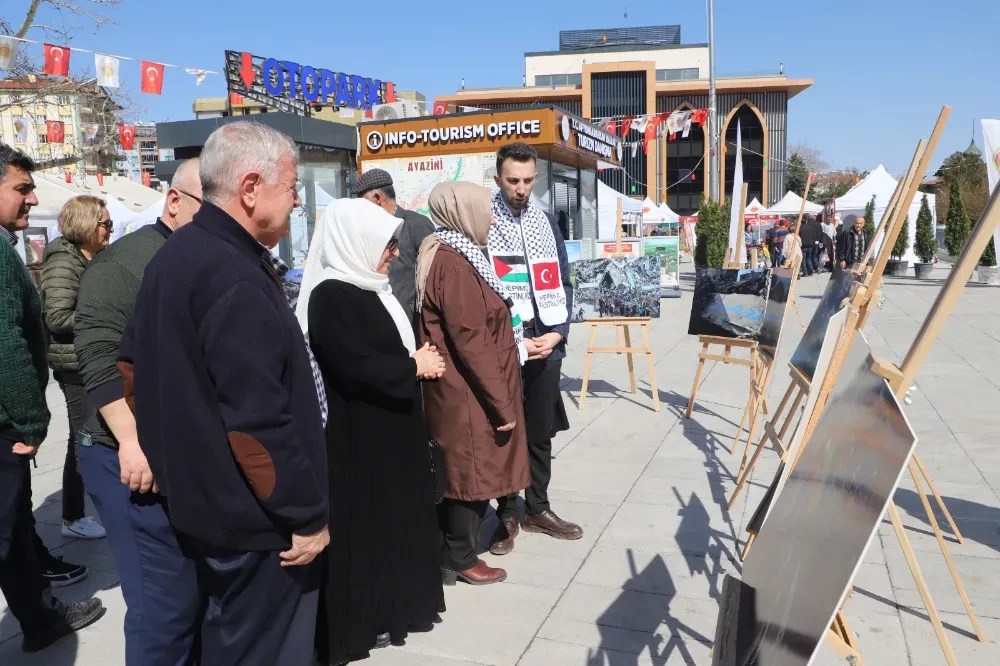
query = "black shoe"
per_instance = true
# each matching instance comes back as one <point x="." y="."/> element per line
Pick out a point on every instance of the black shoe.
<point x="60" y="573"/>
<point x="76" y="617"/>
<point x="383" y="641"/>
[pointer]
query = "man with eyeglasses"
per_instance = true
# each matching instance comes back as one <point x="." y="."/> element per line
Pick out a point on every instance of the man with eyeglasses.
<point x="155" y="575"/>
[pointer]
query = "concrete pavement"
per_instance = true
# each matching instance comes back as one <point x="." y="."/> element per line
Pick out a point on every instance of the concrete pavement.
<point x="650" y="491"/>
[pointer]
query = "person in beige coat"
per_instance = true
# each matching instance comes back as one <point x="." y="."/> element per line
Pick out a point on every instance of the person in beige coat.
<point x="475" y="412"/>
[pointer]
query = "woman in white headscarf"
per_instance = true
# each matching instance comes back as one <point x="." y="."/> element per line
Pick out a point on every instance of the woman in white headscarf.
<point x="381" y="568"/>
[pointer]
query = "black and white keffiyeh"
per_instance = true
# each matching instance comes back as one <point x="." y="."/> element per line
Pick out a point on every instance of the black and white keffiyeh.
<point x="527" y="255"/>
<point x="458" y="242"/>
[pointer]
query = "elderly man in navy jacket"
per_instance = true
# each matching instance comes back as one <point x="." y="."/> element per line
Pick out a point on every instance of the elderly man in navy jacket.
<point x="226" y="409"/>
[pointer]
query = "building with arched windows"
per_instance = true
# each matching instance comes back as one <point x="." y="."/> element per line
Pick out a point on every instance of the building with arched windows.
<point x="614" y="73"/>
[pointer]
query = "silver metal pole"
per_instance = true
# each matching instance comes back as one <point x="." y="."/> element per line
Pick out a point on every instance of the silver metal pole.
<point x="713" y="130"/>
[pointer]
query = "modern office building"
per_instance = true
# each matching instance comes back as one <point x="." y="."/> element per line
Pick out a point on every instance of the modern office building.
<point x="618" y="72"/>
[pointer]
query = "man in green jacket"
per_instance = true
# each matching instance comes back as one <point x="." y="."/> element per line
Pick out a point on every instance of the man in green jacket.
<point x="24" y="421"/>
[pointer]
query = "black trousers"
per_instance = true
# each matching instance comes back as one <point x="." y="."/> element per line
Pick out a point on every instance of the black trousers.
<point x="72" y="481"/>
<point x="544" y="416"/>
<point x="257" y="612"/>
<point x="460" y="523"/>
<point x="27" y="593"/>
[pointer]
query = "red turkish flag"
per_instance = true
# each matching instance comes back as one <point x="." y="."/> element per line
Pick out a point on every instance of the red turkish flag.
<point x="626" y="125"/>
<point x="440" y="109"/>
<point x="611" y="127"/>
<point x="126" y="136"/>
<point x="69" y="177"/>
<point x="100" y="178"/>
<point x="152" y="78"/>
<point x="145" y="178"/>
<point x="55" y="131"/>
<point x="546" y="275"/>
<point x="56" y="60"/>
<point x="650" y="133"/>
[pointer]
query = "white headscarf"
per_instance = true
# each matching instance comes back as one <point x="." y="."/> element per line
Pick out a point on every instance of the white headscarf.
<point x="347" y="245"/>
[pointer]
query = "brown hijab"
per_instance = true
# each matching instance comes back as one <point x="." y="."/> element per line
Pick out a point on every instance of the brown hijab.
<point x="460" y="206"/>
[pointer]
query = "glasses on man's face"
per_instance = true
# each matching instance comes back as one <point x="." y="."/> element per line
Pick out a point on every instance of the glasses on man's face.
<point x="393" y="245"/>
<point x="188" y="194"/>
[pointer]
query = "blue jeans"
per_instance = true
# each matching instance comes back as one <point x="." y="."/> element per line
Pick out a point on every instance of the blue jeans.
<point x="158" y="581"/>
<point x="810" y="259"/>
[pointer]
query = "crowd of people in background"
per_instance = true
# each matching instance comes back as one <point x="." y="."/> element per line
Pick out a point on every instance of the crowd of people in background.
<point x="281" y="482"/>
<point x="823" y="245"/>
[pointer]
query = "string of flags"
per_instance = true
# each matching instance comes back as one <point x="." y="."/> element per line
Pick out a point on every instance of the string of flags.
<point x="55" y="132"/>
<point x="106" y="67"/>
<point x="655" y="126"/>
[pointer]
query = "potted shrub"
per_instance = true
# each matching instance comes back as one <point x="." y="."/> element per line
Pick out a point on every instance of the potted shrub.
<point x="957" y="224"/>
<point x="925" y="245"/>
<point x="713" y="234"/>
<point x="896" y="265"/>
<point x="988" y="271"/>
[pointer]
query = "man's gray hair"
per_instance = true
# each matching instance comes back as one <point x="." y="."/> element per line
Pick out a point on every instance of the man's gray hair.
<point x="12" y="157"/>
<point x="236" y="149"/>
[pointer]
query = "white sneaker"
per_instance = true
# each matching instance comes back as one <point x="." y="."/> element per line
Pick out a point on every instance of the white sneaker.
<point x="85" y="528"/>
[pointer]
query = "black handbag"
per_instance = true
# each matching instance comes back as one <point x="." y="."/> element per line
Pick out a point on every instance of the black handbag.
<point x="437" y="469"/>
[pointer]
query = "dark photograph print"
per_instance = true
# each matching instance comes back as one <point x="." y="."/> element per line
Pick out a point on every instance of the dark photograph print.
<point x="774" y="312"/>
<point x="807" y="353"/>
<point x="625" y="287"/>
<point x="729" y="302"/>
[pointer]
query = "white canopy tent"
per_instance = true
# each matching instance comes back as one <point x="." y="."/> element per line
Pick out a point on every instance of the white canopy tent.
<point x="755" y="207"/>
<point x="607" y="209"/>
<point x="653" y="214"/>
<point x="791" y="204"/>
<point x="880" y="184"/>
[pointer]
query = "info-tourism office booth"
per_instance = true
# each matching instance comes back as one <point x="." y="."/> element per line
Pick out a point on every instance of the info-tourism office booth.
<point x="422" y="152"/>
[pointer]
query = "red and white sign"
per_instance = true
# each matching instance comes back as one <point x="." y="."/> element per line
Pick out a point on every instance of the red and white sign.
<point x="56" y="60"/>
<point x="152" y="78"/>
<point x="146" y="178"/>
<point x="546" y="275"/>
<point x="55" y="131"/>
<point x="126" y="136"/>
<point x="100" y="178"/>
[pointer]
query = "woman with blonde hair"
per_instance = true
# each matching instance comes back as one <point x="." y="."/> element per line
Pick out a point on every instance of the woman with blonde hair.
<point x="476" y="411"/>
<point x="86" y="226"/>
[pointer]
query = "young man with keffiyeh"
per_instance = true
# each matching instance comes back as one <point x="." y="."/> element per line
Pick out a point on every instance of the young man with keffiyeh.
<point x="529" y="255"/>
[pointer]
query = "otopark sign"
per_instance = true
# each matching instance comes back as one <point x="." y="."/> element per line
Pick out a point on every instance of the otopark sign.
<point x="289" y="86"/>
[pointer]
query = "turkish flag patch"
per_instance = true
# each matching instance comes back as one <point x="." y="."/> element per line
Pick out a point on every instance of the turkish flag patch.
<point x="546" y="275"/>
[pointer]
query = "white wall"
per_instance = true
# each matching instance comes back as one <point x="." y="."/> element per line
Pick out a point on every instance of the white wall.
<point x="572" y="63"/>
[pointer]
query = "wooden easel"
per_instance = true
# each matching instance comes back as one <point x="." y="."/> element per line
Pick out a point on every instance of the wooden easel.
<point x="621" y="325"/>
<point x="755" y="361"/>
<point x="799" y="387"/>
<point x="861" y="300"/>
<point x="798" y="230"/>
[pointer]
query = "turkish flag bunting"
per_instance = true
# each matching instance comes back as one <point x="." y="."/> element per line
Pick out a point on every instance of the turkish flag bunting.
<point x="650" y="132"/>
<point x="69" y="177"/>
<point x="546" y="275"/>
<point x="440" y="108"/>
<point x="100" y="179"/>
<point x="626" y="125"/>
<point x="152" y="77"/>
<point x="54" y="131"/>
<point x="126" y="136"/>
<point x="611" y="127"/>
<point x="146" y="178"/>
<point x="56" y="60"/>
<point x="699" y="116"/>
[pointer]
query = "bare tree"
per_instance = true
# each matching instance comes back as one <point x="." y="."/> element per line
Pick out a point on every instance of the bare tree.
<point x="812" y="157"/>
<point x="60" y="20"/>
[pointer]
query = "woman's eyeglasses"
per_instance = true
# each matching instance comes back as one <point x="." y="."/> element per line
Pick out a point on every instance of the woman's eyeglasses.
<point x="108" y="224"/>
<point x="393" y="244"/>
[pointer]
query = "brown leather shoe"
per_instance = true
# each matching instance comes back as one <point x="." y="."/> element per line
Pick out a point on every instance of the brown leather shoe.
<point x="481" y="574"/>
<point x="504" y="537"/>
<point x="551" y="524"/>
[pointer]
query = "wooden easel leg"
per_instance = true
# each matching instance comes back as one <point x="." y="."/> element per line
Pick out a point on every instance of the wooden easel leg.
<point x="744" y="475"/>
<point x="937" y="496"/>
<point x="843" y="648"/>
<point x="587" y="365"/>
<point x="752" y="405"/>
<point x="746" y="548"/>
<point x="914" y="472"/>
<point x="644" y="330"/>
<point x="631" y="365"/>
<point x="697" y="378"/>
<point x="918" y="578"/>
<point x="795" y="306"/>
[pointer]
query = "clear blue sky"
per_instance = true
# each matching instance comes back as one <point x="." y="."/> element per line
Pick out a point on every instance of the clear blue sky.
<point x="882" y="68"/>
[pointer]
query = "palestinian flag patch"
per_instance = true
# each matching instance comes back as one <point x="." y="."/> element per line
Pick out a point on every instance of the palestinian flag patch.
<point x="511" y="269"/>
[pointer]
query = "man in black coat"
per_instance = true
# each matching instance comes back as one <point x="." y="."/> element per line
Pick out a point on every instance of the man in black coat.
<point x="812" y="239"/>
<point x="376" y="186"/>
<point x="852" y="244"/>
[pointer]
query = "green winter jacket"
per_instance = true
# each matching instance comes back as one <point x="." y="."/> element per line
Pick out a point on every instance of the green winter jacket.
<point x="23" y="372"/>
<point x="61" y="272"/>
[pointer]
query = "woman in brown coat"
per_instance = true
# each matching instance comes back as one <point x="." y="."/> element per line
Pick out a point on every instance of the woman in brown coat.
<point x="476" y="412"/>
